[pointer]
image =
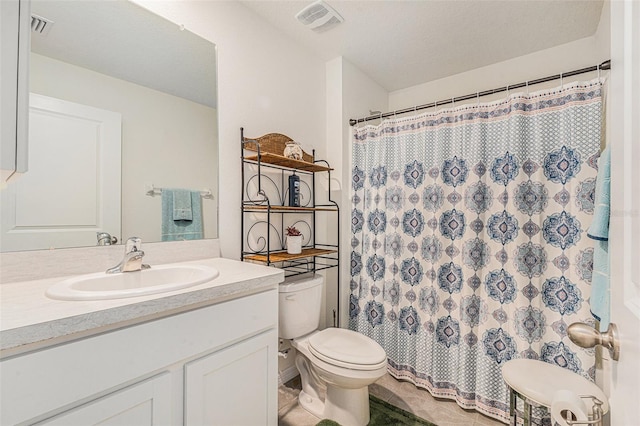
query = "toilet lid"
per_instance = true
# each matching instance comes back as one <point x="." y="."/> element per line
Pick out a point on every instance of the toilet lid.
<point x="346" y="348"/>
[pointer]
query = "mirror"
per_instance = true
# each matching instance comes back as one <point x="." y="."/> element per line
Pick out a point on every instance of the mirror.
<point x="122" y="106"/>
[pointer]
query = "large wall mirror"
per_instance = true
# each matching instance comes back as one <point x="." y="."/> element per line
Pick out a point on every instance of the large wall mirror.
<point x="122" y="108"/>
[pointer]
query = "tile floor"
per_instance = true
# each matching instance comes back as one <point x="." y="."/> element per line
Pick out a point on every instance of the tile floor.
<point x="442" y="412"/>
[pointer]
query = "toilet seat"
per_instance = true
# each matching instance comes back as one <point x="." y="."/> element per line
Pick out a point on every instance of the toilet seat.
<point x="347" y="349"/>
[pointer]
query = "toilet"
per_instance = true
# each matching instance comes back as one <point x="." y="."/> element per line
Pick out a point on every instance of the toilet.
<point x="341" y="361"/>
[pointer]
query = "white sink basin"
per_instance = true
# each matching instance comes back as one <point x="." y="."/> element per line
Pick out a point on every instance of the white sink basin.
<point x="158" y="279"/>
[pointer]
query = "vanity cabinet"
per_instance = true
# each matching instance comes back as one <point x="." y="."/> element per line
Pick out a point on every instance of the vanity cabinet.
<point x="215" y="365"/>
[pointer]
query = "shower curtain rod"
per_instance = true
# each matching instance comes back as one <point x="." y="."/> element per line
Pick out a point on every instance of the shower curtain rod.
<point x="606" y="65"/>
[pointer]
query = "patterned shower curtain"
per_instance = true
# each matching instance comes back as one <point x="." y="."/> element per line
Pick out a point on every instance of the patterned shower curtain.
<point x="469" y="243"/>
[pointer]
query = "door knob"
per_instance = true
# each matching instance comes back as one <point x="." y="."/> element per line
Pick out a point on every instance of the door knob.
<point x="586" y="336"/>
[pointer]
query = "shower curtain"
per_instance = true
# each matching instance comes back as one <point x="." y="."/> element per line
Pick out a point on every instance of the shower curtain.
<point x="469" y="243"/>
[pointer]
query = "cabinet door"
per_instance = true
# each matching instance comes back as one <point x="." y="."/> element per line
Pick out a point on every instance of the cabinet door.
<point x="145" y="403"/>
<point x="236" y="386"/>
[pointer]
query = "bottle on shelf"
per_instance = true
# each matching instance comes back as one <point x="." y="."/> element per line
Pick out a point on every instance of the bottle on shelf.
<point x="294" y="191"/>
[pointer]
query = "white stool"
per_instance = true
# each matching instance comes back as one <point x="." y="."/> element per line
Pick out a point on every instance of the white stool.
<point x="535" y="382"/>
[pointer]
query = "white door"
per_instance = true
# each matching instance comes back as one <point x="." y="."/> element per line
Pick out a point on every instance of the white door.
<point x="624" y="137"/>
<point x="72" y="188"/>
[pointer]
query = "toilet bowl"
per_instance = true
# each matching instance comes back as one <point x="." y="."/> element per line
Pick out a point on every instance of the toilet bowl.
<point x="340" y="361"/>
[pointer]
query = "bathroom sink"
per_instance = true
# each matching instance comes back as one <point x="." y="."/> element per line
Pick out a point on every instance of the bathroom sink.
<point x="158" y="279"/>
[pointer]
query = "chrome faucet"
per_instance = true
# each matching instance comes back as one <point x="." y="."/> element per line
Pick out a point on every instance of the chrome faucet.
<point x="132" y="260"/>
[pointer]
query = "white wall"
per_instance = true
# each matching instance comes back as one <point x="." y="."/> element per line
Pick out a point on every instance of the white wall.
<point x="166" y="140"/>
<point x="335" y="157"/>
<point x="266" y="83"/>
<point x="350" y="94"/>
<point x="567" y="57"/>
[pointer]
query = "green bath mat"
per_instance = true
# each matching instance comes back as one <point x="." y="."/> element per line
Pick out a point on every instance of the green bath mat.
<point x="385" y="414"/>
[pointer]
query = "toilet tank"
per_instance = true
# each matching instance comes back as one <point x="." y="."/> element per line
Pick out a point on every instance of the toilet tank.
<point x="299" y="304"/>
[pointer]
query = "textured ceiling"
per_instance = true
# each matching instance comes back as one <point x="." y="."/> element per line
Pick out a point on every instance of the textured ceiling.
<point x="403" y="43"/>
<point x="125" y="41"/>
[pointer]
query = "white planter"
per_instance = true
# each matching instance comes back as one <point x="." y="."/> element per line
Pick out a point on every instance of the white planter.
<point x="294" y="244"/>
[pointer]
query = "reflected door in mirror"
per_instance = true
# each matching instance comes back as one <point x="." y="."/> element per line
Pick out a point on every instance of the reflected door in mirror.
<point x="66" y="208"/>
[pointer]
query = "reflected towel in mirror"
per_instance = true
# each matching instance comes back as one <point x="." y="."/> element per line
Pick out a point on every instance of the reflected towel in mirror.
<point x="182" y="208"/>
<point x="174" y="228"/>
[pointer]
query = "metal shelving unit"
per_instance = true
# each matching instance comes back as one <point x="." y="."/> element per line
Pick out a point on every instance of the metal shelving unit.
<point x="265" y="215"/>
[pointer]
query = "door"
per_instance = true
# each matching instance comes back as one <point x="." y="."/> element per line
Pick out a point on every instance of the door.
<point x="72" y="188"/>
<point x="624" y="137"/>
<point x="234" y="386"/>
<point x="142" y="404"/>
<point x="15" y="35"/>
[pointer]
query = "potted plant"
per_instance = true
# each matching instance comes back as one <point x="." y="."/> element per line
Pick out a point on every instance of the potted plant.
<point x="294" y="240"/>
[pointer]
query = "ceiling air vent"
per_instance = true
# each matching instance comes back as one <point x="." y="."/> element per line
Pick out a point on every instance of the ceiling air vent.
<point x="40" y="25"/>
<point x="319" y="16"/>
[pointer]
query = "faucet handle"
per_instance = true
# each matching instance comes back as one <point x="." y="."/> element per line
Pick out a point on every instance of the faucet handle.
<point x="133" y="244"/>
<point x="105" y="239"/>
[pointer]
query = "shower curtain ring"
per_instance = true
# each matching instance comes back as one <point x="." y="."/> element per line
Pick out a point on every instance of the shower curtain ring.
<point x="477" y="98"/>
<point x="598" y="71"/>
<point x="561" y="82"/>
<point x="507" y="90"/>
<point x="526" y="83"/>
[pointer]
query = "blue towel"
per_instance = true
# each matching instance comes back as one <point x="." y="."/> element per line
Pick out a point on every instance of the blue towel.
<point x="180" y="229"/>
<point x="599" y="231"/>
<point x="182" y="205"/>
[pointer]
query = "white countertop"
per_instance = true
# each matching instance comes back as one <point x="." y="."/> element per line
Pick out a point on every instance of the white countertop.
<point x="29" y="320"/>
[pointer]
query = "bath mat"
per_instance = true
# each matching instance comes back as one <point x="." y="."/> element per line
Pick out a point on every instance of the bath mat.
<point x="385" y="414"/>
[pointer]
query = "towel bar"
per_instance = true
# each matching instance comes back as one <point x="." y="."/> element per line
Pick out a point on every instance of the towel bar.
<point x="152" y="191"/>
